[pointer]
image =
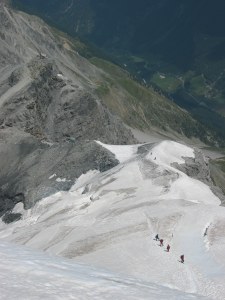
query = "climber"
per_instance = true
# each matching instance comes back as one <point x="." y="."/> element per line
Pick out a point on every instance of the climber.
<point x="161" y="242"/>
<point x="168" y="248"/>
<point x="182" y="258"/>
<point x="157" y="237"/>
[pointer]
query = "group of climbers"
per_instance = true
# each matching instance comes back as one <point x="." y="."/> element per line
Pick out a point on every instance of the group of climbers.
<point x="168" y="247"/>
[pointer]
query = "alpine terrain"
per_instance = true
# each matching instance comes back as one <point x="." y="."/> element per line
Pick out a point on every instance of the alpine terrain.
<point x="175" y="46"/>
<point x="104" y="192"/>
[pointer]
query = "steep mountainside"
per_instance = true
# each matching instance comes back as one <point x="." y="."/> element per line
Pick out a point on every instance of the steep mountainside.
<point x="176" y="46"/>
<point x="41" y="65"/>
<point x="144" y="26"/>
<point x="49" y="114"/>
<point x="50" y="94"/>
<point x="55" y="103"/>
<point x="74" y="181"/>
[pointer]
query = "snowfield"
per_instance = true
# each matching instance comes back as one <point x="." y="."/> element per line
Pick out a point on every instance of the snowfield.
<point x="109" y="221"/>
<point x="28" y="275"/>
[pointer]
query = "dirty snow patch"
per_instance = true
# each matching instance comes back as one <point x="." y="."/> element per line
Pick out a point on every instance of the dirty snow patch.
<point x="122" y="153"/>
<point x="168" y="152"/>
<point x="52" y="176"/>
<point x="84" y="179"/>
<point x="61" y="179"/>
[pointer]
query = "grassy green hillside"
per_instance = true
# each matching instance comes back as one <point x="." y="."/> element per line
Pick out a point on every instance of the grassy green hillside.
<point x="143" y="107"/>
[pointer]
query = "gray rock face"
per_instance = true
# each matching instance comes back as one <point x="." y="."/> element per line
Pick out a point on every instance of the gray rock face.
<point x="47" y="88"/>
<point x="49" y="115"/>
<point x="196" y="167"/>
<point x="199" y="169"/>
<point x="31" y="169"/>
<point x="54" y="108"/>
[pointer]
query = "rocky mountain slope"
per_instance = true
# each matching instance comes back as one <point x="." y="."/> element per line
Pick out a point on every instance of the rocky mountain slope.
<point x="138" y="106"/>
<point x="32" y="80"/>
<point x="48" y="113"/>
<point x="177" y="46"/>
<point x="54" y="103"/>
<point x="74" y="195"/>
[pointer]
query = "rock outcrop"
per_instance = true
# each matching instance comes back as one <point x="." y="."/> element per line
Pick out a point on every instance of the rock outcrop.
<point x="49" y="115"/>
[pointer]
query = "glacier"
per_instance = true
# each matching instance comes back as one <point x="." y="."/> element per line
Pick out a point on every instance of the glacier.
<point x="108" y="221"/>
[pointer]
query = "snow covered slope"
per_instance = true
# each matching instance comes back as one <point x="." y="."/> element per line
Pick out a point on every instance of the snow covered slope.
<point x="109" y="220"/>
<point x="26" y="274"/>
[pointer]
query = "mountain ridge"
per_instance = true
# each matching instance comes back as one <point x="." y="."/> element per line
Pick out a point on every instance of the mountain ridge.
<point x="54" y="103"/>
<point x="75" y="182"/>
<point x="175" y="46"/>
